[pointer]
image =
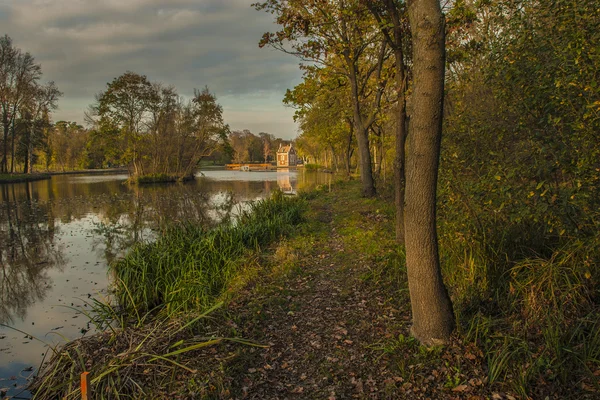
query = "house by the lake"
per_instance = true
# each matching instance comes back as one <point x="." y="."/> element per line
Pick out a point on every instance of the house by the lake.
<point x="287" y="156"/>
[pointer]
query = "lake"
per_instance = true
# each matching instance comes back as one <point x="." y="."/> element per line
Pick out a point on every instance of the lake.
<point x="57" y="238"/>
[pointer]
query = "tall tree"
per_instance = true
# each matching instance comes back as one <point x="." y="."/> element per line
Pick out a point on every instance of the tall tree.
<point x="18" y="73"/>
<point x="125" y="104"/>
<point x="391" y="16"/>
<point x="433" y="317"/>
<point x="39" y="101"/>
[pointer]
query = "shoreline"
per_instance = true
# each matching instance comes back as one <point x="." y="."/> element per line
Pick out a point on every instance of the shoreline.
<point x="38" y="176"/>
<point x="22" y="178"/>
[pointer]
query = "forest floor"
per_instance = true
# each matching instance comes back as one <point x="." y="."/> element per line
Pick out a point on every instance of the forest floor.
<point x="333" y="315"/>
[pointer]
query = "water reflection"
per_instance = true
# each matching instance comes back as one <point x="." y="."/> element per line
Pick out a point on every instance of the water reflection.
<point x="27" y="251"/>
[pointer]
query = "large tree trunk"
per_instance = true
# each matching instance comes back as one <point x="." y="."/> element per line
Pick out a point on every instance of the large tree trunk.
<point x="433" y="318"/>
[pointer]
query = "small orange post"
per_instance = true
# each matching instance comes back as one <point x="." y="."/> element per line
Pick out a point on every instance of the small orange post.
<point x="85" y="384"/>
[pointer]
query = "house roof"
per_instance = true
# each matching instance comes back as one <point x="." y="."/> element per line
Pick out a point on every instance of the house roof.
<point x="285" y="149"/>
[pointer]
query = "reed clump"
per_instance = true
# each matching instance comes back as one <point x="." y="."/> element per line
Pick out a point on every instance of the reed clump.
<point x="189" y="266"/>
<point x="131" y="358"/>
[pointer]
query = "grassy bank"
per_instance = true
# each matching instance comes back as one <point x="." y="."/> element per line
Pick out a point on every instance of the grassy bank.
<point x="17" y="178"/>
<point x="163" y="291"/>
<point x="188" y="267"/>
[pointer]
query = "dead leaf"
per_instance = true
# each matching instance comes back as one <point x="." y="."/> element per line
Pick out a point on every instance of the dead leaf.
<point x="460" y="388"/>
<point x="299" y="389"/>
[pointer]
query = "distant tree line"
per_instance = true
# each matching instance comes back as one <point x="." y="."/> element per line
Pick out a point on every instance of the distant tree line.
<point x="248" y="147"/>
<point x="135" y="123"/>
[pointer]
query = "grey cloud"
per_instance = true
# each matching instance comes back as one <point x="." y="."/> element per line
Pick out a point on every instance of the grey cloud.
<point x="83" y="44"/>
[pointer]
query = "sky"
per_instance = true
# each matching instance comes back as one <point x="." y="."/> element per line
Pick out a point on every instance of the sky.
<point x="83" y="44"/>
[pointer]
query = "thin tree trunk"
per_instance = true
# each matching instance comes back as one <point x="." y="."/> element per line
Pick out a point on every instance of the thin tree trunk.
<point x="362" y="139"/>
<point x="5" y="127"/>
<point x="433" y="318"/>
<point x="349" y="152"/>
<point x="26" y="165"/>
<point x="395" y="36"/>
<point x="400" y="159"/>
<point x="12" y="153"/>
<point x="334" y="158"/>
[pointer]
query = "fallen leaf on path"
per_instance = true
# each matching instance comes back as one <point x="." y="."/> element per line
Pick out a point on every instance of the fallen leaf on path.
<point x="460" y="388"/>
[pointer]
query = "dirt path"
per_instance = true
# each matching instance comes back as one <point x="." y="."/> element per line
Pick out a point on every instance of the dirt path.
<point x="319" y="337"/>
<point x="331" y="334"/>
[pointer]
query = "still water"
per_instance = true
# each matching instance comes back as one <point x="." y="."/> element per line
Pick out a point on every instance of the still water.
<point x="57" y="238"/>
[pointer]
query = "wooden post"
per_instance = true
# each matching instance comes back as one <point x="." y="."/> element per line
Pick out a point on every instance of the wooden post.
<point x="85" y="385"/>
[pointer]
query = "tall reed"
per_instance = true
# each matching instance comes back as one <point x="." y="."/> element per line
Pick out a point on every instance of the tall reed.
<point x="189" y="266"/>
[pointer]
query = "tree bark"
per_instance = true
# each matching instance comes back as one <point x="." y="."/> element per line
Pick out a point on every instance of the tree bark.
<point x="348" y="152"/>
<point x="5" y="127"/>
<point x="399" y="160"/>
<point x="362" y="139"/>
<point x="433" y="318"/>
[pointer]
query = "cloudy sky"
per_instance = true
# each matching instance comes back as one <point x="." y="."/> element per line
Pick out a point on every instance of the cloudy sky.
<point x="83" y="44"/>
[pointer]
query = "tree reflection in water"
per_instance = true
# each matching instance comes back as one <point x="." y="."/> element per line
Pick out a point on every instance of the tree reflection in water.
<point x="27" y="251"/>
<point x="151" y="210"/>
